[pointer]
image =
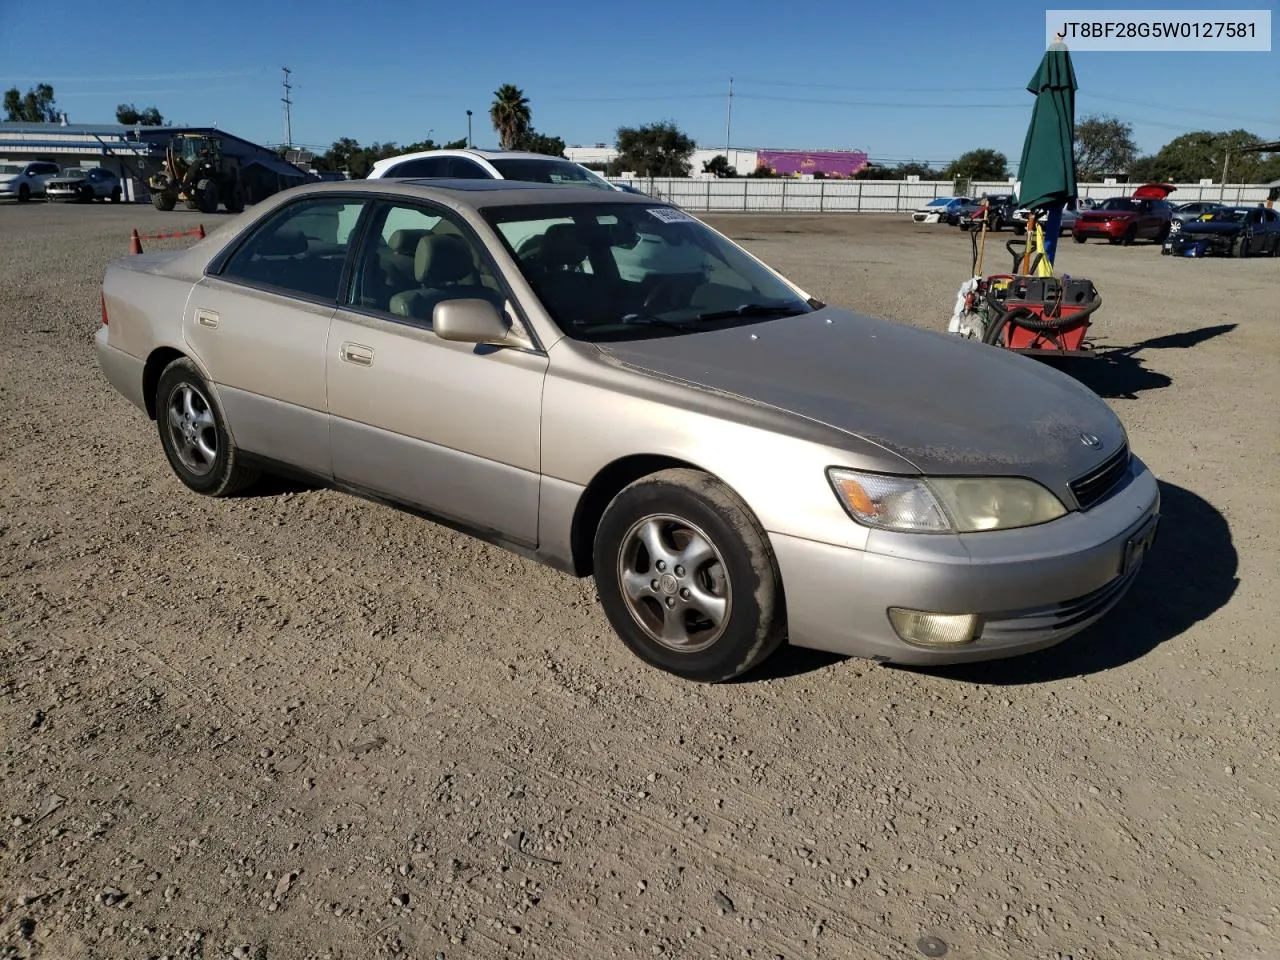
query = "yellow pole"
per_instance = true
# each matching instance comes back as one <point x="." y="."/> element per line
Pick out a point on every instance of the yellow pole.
<point x="1031" y="236"/>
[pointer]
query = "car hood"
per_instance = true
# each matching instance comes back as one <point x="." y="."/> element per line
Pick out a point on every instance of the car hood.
<point x="1107" y="214"/>
<point x="946" y="404"/>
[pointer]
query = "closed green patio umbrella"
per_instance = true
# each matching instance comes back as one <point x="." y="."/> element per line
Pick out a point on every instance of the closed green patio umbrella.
<point x="1048" y="169"/>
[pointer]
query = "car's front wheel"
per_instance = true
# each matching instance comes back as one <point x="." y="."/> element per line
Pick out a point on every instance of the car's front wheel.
<point x="194" y="434"/>
<point x="687" y="578"/>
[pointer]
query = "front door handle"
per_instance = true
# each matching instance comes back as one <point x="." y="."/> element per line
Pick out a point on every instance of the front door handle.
<point x="357" y="353"/>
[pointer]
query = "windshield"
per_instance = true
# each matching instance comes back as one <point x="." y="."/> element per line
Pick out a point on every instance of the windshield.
<point x="75" y="173"/>
<point x="620" y="271"/>
<point x="1121" y="203"/>
<point x="1228" y="215"/>
<point x="547" y="171"/>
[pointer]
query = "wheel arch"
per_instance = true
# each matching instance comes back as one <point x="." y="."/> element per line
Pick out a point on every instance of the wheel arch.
<point x="158" y="359"/>
<point x="608" y="482"/>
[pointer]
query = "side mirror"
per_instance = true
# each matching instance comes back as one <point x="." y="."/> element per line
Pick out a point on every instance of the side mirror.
<point x="469" y="321"/>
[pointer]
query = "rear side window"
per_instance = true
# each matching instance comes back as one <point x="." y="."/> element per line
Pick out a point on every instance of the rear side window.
<point x="467" y="169"/>
<point x="423" y="167"/>
<point x="300" y="250"/>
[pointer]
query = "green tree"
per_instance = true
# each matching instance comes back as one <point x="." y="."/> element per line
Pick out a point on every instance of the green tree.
<point x="535" y="142"/>
<point x="982" y="164"/>
<point x="913" y="169"/>
<point x="35" y="106"/>
<point x="1104" y="145"/>
<point x="458" y="144"/>
<point x="655" y="150"/>
<point x="510" y="114"/>
<point x="1199" y="155"/>
<point x="720" y="166"/>
<point x="130" y="115"/>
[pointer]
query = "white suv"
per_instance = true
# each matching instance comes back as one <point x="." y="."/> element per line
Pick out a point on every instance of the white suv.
<point x="488" y="165"/>
<point x="25" y="179"/>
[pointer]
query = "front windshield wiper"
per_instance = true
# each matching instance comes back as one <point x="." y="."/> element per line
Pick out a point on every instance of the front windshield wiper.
<point x="751" y="310"/>
<point x="646" y="319"/>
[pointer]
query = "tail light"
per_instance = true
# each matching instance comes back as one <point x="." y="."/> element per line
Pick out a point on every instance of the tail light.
<point x="103" y="297"/>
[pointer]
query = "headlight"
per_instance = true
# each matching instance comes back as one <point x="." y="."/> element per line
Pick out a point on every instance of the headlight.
<point x="944" y="504"/>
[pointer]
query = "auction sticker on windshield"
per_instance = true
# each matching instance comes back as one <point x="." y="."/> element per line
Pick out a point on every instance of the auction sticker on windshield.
<point x="671" y="215"/>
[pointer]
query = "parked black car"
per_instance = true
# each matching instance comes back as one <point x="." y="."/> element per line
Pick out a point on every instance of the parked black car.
<point x="999" y="212"/>
<point x="1228" y="231"/>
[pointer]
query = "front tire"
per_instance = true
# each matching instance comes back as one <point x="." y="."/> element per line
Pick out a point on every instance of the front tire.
<point x="164" y="201"/>
<point x="687" y="578"/>
<point x="1240" y="248"/>
<point x="194" y="434"/>
<point x="24" y="193"/>
<point x="115" y="194"/>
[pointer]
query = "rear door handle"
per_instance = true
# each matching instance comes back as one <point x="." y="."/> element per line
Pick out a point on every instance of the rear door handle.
<point x="357" y="353"/>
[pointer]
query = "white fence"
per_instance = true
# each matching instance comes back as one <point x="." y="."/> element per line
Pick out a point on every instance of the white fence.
<point x="783" y="195"/>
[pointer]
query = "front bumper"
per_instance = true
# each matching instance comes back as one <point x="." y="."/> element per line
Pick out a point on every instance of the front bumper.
<point x="1033" y="587"/>
<point x="1183" y="244"/>
<point x="62" y="193"/>
<point x="1111" y="231"/>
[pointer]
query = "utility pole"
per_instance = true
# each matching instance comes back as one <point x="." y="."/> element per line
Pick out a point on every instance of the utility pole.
<point x="728" y="124"/>
<point x="288" y="128"/>
<point x="468" y="129"/>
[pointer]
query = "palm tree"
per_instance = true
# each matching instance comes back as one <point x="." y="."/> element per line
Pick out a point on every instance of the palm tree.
<point x="510" y="114"/>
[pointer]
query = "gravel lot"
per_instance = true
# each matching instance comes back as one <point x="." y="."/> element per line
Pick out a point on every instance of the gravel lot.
<point x="302" y="725"/>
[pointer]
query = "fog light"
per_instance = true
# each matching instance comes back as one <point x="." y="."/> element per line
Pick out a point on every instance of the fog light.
<point x="934" y="629"/>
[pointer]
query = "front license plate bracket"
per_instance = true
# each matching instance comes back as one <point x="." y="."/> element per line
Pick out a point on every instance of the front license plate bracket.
<point x="1137" y="546"/>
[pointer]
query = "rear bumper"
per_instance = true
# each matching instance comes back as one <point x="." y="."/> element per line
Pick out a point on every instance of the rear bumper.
<point x="122" y="370"/>
<point x="1033" y="588"/>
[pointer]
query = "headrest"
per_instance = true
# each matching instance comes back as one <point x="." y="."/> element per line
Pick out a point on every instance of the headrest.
<point x="562" y="246"/>
<point x="283" y="243"/>
<point x="442" y="259"/>
<point x="406" y="241"/>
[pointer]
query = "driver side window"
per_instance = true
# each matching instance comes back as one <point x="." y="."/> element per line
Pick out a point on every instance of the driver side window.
<point x="415" y="257"/>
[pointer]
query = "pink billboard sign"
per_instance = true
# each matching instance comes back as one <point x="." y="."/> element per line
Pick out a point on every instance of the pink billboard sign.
<point x="829" y="163"/>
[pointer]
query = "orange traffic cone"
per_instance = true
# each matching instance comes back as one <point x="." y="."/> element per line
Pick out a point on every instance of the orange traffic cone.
<point x="200" y="231"/>
<point x="135" y="243"/>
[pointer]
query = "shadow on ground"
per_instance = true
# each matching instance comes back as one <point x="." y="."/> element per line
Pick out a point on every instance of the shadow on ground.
<point x="1189" y="575"/>
<point x="1121" y="372"/>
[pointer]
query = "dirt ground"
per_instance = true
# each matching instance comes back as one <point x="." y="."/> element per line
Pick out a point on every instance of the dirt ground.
<point x="299" y="725"/>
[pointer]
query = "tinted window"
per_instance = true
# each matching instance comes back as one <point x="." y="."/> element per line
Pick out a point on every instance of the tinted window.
<point x="549" y="170"/>
<point x="417" y="256"/>
<point x="467" y="169"/>
<point x="424" y="167"/>
<point x="301" y="249"/>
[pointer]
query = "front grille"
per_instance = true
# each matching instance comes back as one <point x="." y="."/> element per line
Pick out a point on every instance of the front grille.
<point x="1038" y="623"/>
<point x="1090" y="488"/>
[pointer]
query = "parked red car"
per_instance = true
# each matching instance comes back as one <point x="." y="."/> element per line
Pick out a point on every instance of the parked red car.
<point x="1146" y="215"/>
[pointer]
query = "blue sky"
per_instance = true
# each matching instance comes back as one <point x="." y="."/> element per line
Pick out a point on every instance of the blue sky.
<point x="926" y="80"/>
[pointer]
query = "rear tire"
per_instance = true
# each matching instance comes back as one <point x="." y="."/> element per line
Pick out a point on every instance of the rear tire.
<point x="1240" y="248"/>
<point x="194" y="434"/>
<point x="207" y="196"/>
<point x="1078" y="239"/>
<point x="115" y="194"/>
<point x="717" y="609"/>
<point x="1130" y="235"/>
<point x="164" y="201"/>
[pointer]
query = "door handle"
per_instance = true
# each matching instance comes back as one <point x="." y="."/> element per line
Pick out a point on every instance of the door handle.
<point x="206" y="318"/>
<point x="357" y="353"/>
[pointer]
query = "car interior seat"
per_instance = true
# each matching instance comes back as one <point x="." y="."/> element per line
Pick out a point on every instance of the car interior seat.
<point x="443" y="268"/>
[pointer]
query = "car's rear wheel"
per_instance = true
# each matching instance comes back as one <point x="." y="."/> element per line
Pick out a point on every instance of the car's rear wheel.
<point x="1078" y="239"/>
<point x="1130" y="234"/>
<point x="194" y="434"/>
<point x="687" y="578"/>
<point x="115" y="194"/>
<point x="1240" y="248"/>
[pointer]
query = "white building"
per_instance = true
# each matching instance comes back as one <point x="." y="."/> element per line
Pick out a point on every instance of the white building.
<point x="742" y="160"/>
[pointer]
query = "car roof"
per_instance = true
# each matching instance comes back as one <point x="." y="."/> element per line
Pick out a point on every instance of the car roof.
<point x="474" y="193"/>
<point x="471" y="152"/>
